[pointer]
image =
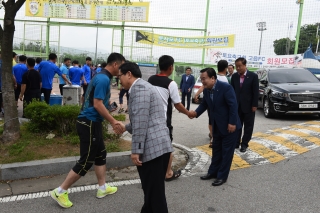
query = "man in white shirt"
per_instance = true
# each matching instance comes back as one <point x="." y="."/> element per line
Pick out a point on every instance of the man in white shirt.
<point x="222" y="71"/>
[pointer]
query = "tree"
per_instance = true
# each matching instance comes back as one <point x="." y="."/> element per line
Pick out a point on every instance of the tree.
<point x="307" y="37"/>
<point x="11" y="130"/>
<point x="281" y="46"/>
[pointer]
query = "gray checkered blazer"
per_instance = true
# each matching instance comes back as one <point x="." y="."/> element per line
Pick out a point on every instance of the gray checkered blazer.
<point x="150" y="135"/>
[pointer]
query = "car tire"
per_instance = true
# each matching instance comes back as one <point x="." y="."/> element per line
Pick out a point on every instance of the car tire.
<point x="268" y="111"/>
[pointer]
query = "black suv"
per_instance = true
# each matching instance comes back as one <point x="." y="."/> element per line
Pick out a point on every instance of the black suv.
<point x="288" y="91"/>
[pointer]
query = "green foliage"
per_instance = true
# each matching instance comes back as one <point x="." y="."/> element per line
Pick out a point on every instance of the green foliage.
<point x="72" y="139"/>
<point x="45" y="118"/>
<point x="281" y="46"/>
<point x="307" y="37"/>
<point x="120" y="117"/>
<point x="112" y="147"/>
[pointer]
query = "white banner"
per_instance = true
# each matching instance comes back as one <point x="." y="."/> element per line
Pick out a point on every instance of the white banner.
<point x="257" y="61"/>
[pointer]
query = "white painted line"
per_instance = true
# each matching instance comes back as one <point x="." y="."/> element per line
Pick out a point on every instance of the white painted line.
<point x="282" y="150"/>
<point x="71" y="190"/>
<point x="251" y="157"/>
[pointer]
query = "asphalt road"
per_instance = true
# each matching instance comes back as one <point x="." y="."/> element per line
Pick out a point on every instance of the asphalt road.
<point x="291" y="185"/>
<point x="194" y="132"/>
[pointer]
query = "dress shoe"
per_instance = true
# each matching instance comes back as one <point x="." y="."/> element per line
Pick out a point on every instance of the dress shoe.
<point x="218" y="182"/>
<point x="243" y="149"/>
<point x="208" y="177"/>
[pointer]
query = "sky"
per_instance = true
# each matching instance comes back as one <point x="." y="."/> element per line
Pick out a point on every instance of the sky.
<point x="225" y="17"/>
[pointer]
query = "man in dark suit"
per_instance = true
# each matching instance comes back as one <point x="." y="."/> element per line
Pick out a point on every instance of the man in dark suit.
<point x="220" y="99"/>
<point x="186" y="85"/>
<point x="246" y="87"/>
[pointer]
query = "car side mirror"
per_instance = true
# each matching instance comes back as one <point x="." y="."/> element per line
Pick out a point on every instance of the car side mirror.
<point x="264" y="82"/>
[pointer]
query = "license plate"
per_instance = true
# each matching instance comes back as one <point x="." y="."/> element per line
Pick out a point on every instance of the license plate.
<point x="308" y="105"/>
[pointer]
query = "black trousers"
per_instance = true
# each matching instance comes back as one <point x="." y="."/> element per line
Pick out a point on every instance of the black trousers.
<point x="247" y="122"/>
<point x="184" y="94"/>
<point x="46" y="94"/>
<point x="152" y="175"/>
<point x="84" y="89"/>
<point x="61" y="88"/>
<point x="222" y="153"/>
<point x="17" y="92"/>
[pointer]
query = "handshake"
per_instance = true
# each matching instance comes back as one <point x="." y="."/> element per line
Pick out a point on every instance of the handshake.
<point x="192" y="114"/>
<point x="118" y="127"/>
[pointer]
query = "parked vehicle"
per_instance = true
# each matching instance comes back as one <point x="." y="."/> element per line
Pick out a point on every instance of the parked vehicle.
<point x="195" y="89"/>
<point x="288" y="91"/>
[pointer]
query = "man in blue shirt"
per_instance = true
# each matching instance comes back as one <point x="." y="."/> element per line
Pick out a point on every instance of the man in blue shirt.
<point x="87" y="74"/>
<point x="47" y="71"/>
<point x="38" y="61"/>
<point x="65" y="71"/>
<point x="89" y="127"/>
<point x="76" y="74"/>
<point x="18" y="70"/>
<point x="98" y="68"/>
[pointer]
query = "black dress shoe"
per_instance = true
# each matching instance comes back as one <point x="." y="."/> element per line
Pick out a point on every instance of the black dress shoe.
<point x="243" y="149"/>
<point x="208" y="177"/>
<point x="218" y="182"/>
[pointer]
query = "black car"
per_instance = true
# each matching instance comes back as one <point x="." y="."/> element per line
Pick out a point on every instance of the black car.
<point x="288" y="91"/>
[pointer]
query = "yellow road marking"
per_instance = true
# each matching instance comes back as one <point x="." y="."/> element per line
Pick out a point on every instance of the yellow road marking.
<point x="315" y="129"/>
<point x="283" y="141"/>
<point x="305" y="136"/>
<point x="313" y="122"/>
<point x="265" y="152"/>
<point x="237" y="162"/>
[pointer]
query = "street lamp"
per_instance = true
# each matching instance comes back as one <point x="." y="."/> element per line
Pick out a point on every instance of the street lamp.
<point x="261" y="27"/>
<point x="95" y="55"/>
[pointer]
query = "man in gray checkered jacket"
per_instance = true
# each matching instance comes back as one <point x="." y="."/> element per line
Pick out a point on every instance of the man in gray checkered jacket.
<point x="151" y="143"/>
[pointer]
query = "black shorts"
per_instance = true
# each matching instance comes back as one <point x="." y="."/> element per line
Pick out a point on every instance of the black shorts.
<point x="92" y="148"/>
<point x="17" y="92"/>
<point x="84" y="89"/>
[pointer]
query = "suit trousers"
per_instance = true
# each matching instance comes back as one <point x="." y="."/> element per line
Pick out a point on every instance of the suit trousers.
<point x="152" y="174"/>
<point x="184" y="94"/>
<point x="247" y="122"/>
<point x="222" y="153"/>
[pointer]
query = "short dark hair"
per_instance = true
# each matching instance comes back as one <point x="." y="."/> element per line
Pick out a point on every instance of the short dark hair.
<point x="88" y="59"/>
<point x="104" y="64"/>
<point x="75" y="62"/>
<point x="52" y="56"/>
<point x="22" y="58"/>
<point x="210" y="71"/>
<point x="188" y="68"/>
<point x="66" y="59"/>
<point x="165" y="62"/>
<point x="13" y="54"/>
<point x="231" y="65"/>
<point x="38" y="60"/>
<point x="115" y="57"/>
<point x="31" y="62"/>
<point x="242" y="60"/>
<point x="222" y="65"/>
<point x="132" y="67"/>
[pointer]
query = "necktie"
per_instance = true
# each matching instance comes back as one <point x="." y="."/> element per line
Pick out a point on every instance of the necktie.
<point x="241" y="80"/>
<point x="211" y="94"/>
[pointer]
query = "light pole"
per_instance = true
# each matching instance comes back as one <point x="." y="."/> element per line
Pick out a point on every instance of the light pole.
<point x="95" y="55"/>
<point x="261" y="27"/>
<point x="299" y="25"/>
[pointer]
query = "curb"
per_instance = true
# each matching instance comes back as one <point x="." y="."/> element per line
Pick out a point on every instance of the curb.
<point x="57" y="166"/>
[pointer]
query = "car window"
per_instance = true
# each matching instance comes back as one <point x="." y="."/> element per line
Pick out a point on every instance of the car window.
<point x="291" y="76"/>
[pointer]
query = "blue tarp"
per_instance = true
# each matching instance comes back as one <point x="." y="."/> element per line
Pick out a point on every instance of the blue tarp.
<point x="314" y="70"/>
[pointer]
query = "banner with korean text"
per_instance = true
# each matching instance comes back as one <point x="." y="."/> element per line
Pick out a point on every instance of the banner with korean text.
<point x="95" y="10"/>
<point x="224" y="41"/>
<point x="257" y="61"/>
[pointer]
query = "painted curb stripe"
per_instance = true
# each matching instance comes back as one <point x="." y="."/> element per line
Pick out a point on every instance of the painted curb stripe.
<point x="300" y="134"/>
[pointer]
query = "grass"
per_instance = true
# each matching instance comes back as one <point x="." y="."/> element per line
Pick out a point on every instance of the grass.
<point x="35" y="146"/>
